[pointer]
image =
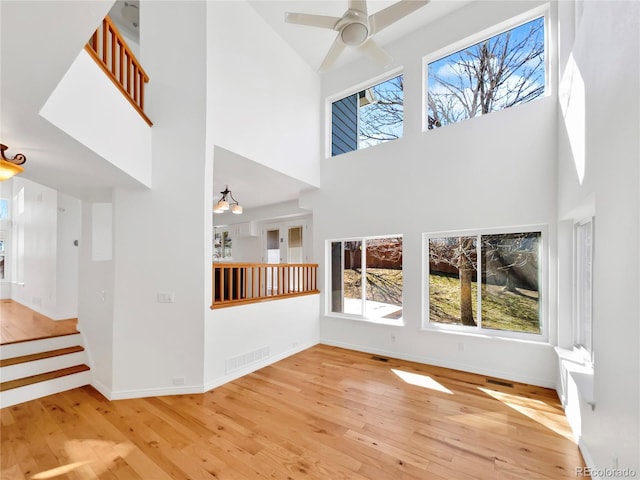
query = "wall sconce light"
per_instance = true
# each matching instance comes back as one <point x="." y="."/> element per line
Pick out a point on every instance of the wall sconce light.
<point x="10" y="166"/>
<point x="223" y="204"/>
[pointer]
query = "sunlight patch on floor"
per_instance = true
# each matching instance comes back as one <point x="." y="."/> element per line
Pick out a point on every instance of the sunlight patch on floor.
<point x="553" y="421"/>
<point x="55" y="472"/>
<point x="89" y="458"/>
<point x="420" y="380"/>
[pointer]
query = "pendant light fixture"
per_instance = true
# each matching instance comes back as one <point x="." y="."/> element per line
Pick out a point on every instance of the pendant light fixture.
<point x="10" y="166"/>
<point x="223" y="204"/>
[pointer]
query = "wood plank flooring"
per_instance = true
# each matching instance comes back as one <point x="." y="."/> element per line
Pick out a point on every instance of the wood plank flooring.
<point x="19" y="323"/>
<point x="325" y="413"/>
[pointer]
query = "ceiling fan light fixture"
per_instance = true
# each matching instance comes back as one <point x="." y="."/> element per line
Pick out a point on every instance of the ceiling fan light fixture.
<point x="357" y="29"/>
<point x="354" y="34"/>
<point x="131" y="13"/>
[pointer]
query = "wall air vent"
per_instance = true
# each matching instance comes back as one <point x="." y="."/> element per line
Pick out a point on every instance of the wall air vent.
<point x="241" y="361"/>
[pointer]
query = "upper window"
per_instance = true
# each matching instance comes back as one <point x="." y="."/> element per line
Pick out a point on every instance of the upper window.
<point x="366" y="278"/>
<point x="485" y="282"/>
<point x="369" y="117"/>
<point x="497" y="73"/>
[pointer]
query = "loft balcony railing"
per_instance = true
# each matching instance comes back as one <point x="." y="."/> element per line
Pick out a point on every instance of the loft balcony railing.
<point x="241" y="283"/>
<point x="110" y="51"/>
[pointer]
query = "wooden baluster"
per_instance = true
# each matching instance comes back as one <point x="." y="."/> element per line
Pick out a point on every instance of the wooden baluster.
<point x="135" y="83"/>
<point x="121" y="61"/>
<point x="246" y="283"/>
<point x="141" y="100"/>
<point x="113" y="52"/>
<point x="94" y="41"/>
<point x="104" y="41"/>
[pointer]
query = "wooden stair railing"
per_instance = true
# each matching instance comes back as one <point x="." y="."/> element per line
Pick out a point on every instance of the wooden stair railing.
<point x="110" y="51"/>
<point x="241" y="283"/>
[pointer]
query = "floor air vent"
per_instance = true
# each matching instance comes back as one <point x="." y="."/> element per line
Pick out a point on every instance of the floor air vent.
<point x="379" y="359"/>
<point x="499" y="382"/>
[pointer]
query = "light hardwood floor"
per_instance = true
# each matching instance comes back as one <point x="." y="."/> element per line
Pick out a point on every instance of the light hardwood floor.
<point x="19" y="323"/>
<point x="325" y="413"/>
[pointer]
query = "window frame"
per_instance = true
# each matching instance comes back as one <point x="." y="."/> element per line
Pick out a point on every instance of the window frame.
<point x="479" y="330"/>
<point x="585" y="351"/>
<point x="363" y="86"/>
<point x="542" y="11"/>
<point x="328" y="286"/>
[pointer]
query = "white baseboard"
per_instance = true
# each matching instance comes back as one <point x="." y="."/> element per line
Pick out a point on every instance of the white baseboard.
<point x="540" y="382"/>
<point x="588" y="459"/>
<point x="190" y="389"/>
<point x="256" y="366"/>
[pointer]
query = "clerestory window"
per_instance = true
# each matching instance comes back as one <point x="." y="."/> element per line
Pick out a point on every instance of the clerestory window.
<point x="368" y="117"/>
<point x="499" y="72"/>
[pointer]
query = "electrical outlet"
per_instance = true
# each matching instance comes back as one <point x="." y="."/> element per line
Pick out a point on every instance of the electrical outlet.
<point x="179" y="380"/>
<point x="166" y="297"/>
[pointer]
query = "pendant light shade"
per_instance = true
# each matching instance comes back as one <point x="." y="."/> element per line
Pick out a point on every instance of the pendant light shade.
<point x="223" y="204"/>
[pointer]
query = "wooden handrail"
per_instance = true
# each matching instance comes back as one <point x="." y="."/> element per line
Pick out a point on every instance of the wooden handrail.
<point x="241" y="283"/>
<point x="110" y="51"/>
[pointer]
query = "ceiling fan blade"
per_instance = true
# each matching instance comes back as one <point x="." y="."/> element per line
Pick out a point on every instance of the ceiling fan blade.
<point x="393" y="13"/>
<point x="360" y="5"/>
<point x="371" y="48"/>
<point x="333" y="54"/>
<point x="321" y="21"/>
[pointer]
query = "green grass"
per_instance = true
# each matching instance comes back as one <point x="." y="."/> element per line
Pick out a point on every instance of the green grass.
<point x="501" y="310"/>
<point x="383" y="285"/>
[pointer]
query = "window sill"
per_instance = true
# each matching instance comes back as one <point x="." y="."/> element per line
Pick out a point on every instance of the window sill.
<point x="580" y="372"/>
<point x="375" y="321"/>
<point x="528" y="338"/>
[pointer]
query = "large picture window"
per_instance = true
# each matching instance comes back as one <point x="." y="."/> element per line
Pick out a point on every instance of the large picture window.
<point x="365" y="278"/>
<point x="497" y="73"/>
<point x="489" y="282"/>
<point x="369" y="117"/>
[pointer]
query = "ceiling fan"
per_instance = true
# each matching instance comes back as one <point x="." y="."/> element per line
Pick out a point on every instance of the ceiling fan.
<point x="356" y="29"/>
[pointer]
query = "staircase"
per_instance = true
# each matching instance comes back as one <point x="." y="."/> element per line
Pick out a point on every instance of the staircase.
<point x="37" y="368"/>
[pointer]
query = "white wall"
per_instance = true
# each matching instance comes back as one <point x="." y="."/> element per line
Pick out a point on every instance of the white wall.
<point x="95" y="305"/>
<point x="160" y="235"/>
<point x="264" y="107"/>
<point x="87" y="105"/>
<point x="488" y="172"/>
<point x="69" y="222"/>
<point x="261" y="86"/>
<point x="284" y="327"/>
<point x="598" y="174"/>
<point x="45" y="279"/>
